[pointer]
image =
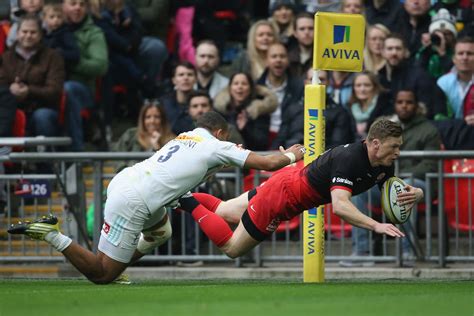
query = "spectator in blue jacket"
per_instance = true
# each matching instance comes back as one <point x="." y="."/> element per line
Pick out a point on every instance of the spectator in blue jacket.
<point x="456" y="84"/>
<point x="456" y="120"/>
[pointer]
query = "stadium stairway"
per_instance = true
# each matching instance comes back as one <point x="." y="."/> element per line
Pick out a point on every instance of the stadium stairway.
<point x="11" y="245"/>
<point x="19" y="246"/>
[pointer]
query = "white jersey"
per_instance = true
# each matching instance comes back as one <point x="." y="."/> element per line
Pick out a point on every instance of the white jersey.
<point x="181" y="165"/>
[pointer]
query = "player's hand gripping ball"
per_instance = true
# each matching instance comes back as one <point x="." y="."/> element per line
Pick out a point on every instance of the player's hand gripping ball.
<point x="395" y="213"/>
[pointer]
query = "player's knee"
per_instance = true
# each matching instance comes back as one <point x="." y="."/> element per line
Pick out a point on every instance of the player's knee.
<point x="230" y="251"/>
<point x="103" y="277"/>
<point x="232" y="254"/>
<point x="102" y="280"/>
<point x="151" y="239"/>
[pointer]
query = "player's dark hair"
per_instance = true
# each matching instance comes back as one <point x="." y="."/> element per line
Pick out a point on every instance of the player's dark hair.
<point x="212" y="121"/>
<point x="383" y="128"/>
<point x="199" y="93"/>
<point x="397" y="36"/>
<point x="252" y="85"/>
<point x="407" y="89"/>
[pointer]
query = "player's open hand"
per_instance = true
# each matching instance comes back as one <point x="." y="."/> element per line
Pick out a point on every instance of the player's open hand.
<point x="410" y="197"/>
<point x="388" y="229"/>
<point x="298" y="150"/>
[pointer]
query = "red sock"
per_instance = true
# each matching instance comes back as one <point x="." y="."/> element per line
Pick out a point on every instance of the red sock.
<point x="212" y="225"/>
<point x="209" y="201"/>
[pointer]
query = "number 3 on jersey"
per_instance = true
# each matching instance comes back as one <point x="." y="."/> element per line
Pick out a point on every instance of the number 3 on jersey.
<point x="171" y="151"/>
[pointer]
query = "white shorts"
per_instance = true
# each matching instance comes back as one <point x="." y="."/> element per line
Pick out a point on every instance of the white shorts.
<point x="125" y="216"/>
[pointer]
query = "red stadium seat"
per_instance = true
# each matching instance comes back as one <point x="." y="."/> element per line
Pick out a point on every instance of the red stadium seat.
<point x="249" y="180"/>
<point x="5" y="25"/>
<point x="3" y="38"/>
<point x="19" y="126"/>
<point x="292" y="224"/>
<point x="62" y="109"/>
<point x="86" y="112"/>
<point x="463" y="194"/>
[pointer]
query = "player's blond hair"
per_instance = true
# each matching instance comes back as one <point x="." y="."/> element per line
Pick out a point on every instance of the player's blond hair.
<point x="383" y="129"/>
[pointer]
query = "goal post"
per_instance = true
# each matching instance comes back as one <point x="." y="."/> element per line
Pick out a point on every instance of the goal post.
<point x="338" y="45"/>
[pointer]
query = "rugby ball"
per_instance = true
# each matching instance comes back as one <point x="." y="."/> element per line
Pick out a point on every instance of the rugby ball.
<point x="395" y="213"/>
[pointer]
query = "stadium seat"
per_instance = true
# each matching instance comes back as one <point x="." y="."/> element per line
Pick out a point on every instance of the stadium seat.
<point x="85" y="112"/>
<point x="3" y="38"/>
<point x="249" y="180"/>
<point x="171" y="38"/>
<point x="462" y="218"/>
<point x="62" y="109"/>
<point x="19" y="126"/>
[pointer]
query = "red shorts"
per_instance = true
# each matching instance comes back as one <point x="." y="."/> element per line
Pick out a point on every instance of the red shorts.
<point x="285" y="195"/>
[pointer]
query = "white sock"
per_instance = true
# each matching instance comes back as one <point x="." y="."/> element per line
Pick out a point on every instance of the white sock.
<point x="58" y="240"/>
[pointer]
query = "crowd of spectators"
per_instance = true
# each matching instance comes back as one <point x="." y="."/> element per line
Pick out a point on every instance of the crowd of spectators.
<point x="65" y="60"/>
<point x="158" y="62"/>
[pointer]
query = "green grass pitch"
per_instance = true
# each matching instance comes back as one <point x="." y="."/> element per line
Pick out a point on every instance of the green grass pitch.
<point x="79" y="297"/>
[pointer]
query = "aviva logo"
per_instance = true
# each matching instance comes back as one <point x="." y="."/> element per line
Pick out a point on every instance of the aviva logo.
<point x="342" y="34"/>
<point x="313" y="114"/>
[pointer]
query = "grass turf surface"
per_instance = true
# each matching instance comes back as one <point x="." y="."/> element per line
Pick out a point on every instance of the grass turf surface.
<point x="77" y="297"/>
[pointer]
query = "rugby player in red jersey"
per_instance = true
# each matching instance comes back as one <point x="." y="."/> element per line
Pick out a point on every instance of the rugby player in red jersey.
<point x="333" y="177"/>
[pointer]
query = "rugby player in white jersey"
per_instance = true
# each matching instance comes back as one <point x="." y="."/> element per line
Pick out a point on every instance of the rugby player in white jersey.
<point x="135" y="219"/>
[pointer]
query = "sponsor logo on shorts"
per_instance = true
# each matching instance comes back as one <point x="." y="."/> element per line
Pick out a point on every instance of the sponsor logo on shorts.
<point x="273" y="225"/>
<point x="342" y="180"/>
<point x="106" y="228"/>
<point x="135" y="240"/>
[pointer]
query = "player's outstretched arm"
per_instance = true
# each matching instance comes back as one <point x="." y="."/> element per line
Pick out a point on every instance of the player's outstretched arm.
<point x="343" y="207"/>
<point x="275" y="161"/>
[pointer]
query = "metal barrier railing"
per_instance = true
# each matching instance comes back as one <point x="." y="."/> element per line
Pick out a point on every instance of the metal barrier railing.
<point x="435" y="242"/>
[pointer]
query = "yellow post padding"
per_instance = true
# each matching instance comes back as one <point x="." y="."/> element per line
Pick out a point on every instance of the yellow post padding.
<point x="313" y="220"/>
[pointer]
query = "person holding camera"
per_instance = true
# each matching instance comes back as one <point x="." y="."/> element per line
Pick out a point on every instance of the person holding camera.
<point x="438" y="45"/>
